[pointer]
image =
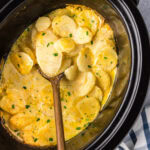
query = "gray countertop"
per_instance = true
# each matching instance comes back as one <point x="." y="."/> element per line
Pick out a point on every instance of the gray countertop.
<point x="144" y="7"/>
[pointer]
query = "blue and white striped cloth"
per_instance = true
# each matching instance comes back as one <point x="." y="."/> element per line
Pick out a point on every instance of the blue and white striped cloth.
<point x="139" y="137"/>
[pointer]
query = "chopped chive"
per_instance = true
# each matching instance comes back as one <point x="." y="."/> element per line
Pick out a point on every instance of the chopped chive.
<point x="87" y="33"/>
<point x="18" y="65"/>
<point x="55" y="54"/>
<point x="65" y="107"/>
<point x="79" y="8"/>
<point x="87" y="96"/>
<point x="105" y="58"/>
<point x="51" y="43"/>
<point x="38" y="119"/>
<point x="91" y="42"/>
<point x="69" y="94"/>
<point x="18" y="133"/>
<point x="50" y="139"/>
<point x="92" y="21"/>
<point x="27" y="106"/>
<point x="28" y="29"/>
<point x="89" y="66"/>
<point x="78" y="128"/>
<point x="43" y="33"/>
<point x="70" y="35"/>
<point x="82" y="134"/>
<point x="111" y="62"/>
<point x="48" y="121"/>
<point x="13" y="106"/>
<point x="48" y="44"/>
<point x="24" y="87"/>
<point x="35" y="139"/>
<point x="19" y="56"/>
<point x="15" y="130"/>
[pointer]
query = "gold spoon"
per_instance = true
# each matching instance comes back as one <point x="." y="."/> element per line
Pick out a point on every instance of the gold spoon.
<point x="55" y="81"/>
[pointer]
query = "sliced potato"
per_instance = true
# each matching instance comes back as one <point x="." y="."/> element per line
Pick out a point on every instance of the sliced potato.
<point x="84" y="83"/>
<point x="59" y="12"/>
<point x="48" y="58"/>
<point x="21" y="120"/>
<point x="86" y="17"/>
<point x="65" y="64"/>
<point x="42" y="23"/>
<point x="33" y="37"/>
<point x="11" y="106"/>
<point x="107" y="59"/>
<point x="83" y="35"/>
<point x="22" y="62"/>
<point x="71" y="72"/>
<point x="64" y="26"/>
<point x="84" y="60"/>
<point x="76" y="51"/>
<point x="89" y="108"/>
<point x="97" y="93"/>
<point x="104" y="38"/>
<point x="30" y="53"/>
<point x="104" y="79"/>
<point x="65" y="45"/>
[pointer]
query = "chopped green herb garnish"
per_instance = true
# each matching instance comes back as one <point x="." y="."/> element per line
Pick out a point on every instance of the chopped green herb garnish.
<point x="111" y="62"/>
<point x="79" y="8"/>
<point x="13" y="106"/>
<point x="50" y="139"/>
<point x="105" y="58"/>
<point x="65" y="107"/>
<point x="87" y="33"/>
<point x="24" y="87"/>
<point x="48" y="44"/>
<point x="43" y="33"/>
<point x="28" y="29"/>
<point x="91" y="42"/>
<point x="89" y="66"/>
<point x="15" y="130"/>
<point x="27" y="106"/>
<point x="18" y="65"/>
<point x="19" y="56"/>
<point x="48" y="121"/>
<point x="18" y="133"/>
<point x="38" y="119"/>
<point x="69" y="94"/>
<point x="70" y="35"/>
<point x="55" y="54"/>
<point x="35" y="139"/>
<point x="87" y="96"/>
<point x="92" y="21"/>
<point x="51" y="43"/>
<point x="82" y="134"/>
<point x="78" y="128"/>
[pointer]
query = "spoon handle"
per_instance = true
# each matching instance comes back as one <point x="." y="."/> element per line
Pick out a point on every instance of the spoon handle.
<point x="58" y="116"/>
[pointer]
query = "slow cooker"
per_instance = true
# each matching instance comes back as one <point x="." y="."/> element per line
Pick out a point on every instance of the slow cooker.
<point x="131" y="84"/>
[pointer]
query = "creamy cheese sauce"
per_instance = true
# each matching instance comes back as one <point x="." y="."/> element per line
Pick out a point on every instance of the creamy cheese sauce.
<point x="75" y="40"/>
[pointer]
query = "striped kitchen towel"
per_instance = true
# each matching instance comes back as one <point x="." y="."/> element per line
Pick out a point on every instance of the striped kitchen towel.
<point x="139" y="137"/>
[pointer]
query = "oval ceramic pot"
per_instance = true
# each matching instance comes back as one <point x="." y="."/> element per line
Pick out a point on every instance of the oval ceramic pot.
<point x="131" y="84"/>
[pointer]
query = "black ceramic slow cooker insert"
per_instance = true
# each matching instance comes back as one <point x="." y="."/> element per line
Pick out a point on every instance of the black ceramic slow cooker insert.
<point x="130" y="88"/>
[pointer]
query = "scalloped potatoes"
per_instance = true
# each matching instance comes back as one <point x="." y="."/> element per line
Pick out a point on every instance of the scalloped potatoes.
<point x="75" y="40"/>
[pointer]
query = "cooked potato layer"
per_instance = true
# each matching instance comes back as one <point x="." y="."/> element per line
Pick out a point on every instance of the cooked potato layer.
<point x="75" y="40"/>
